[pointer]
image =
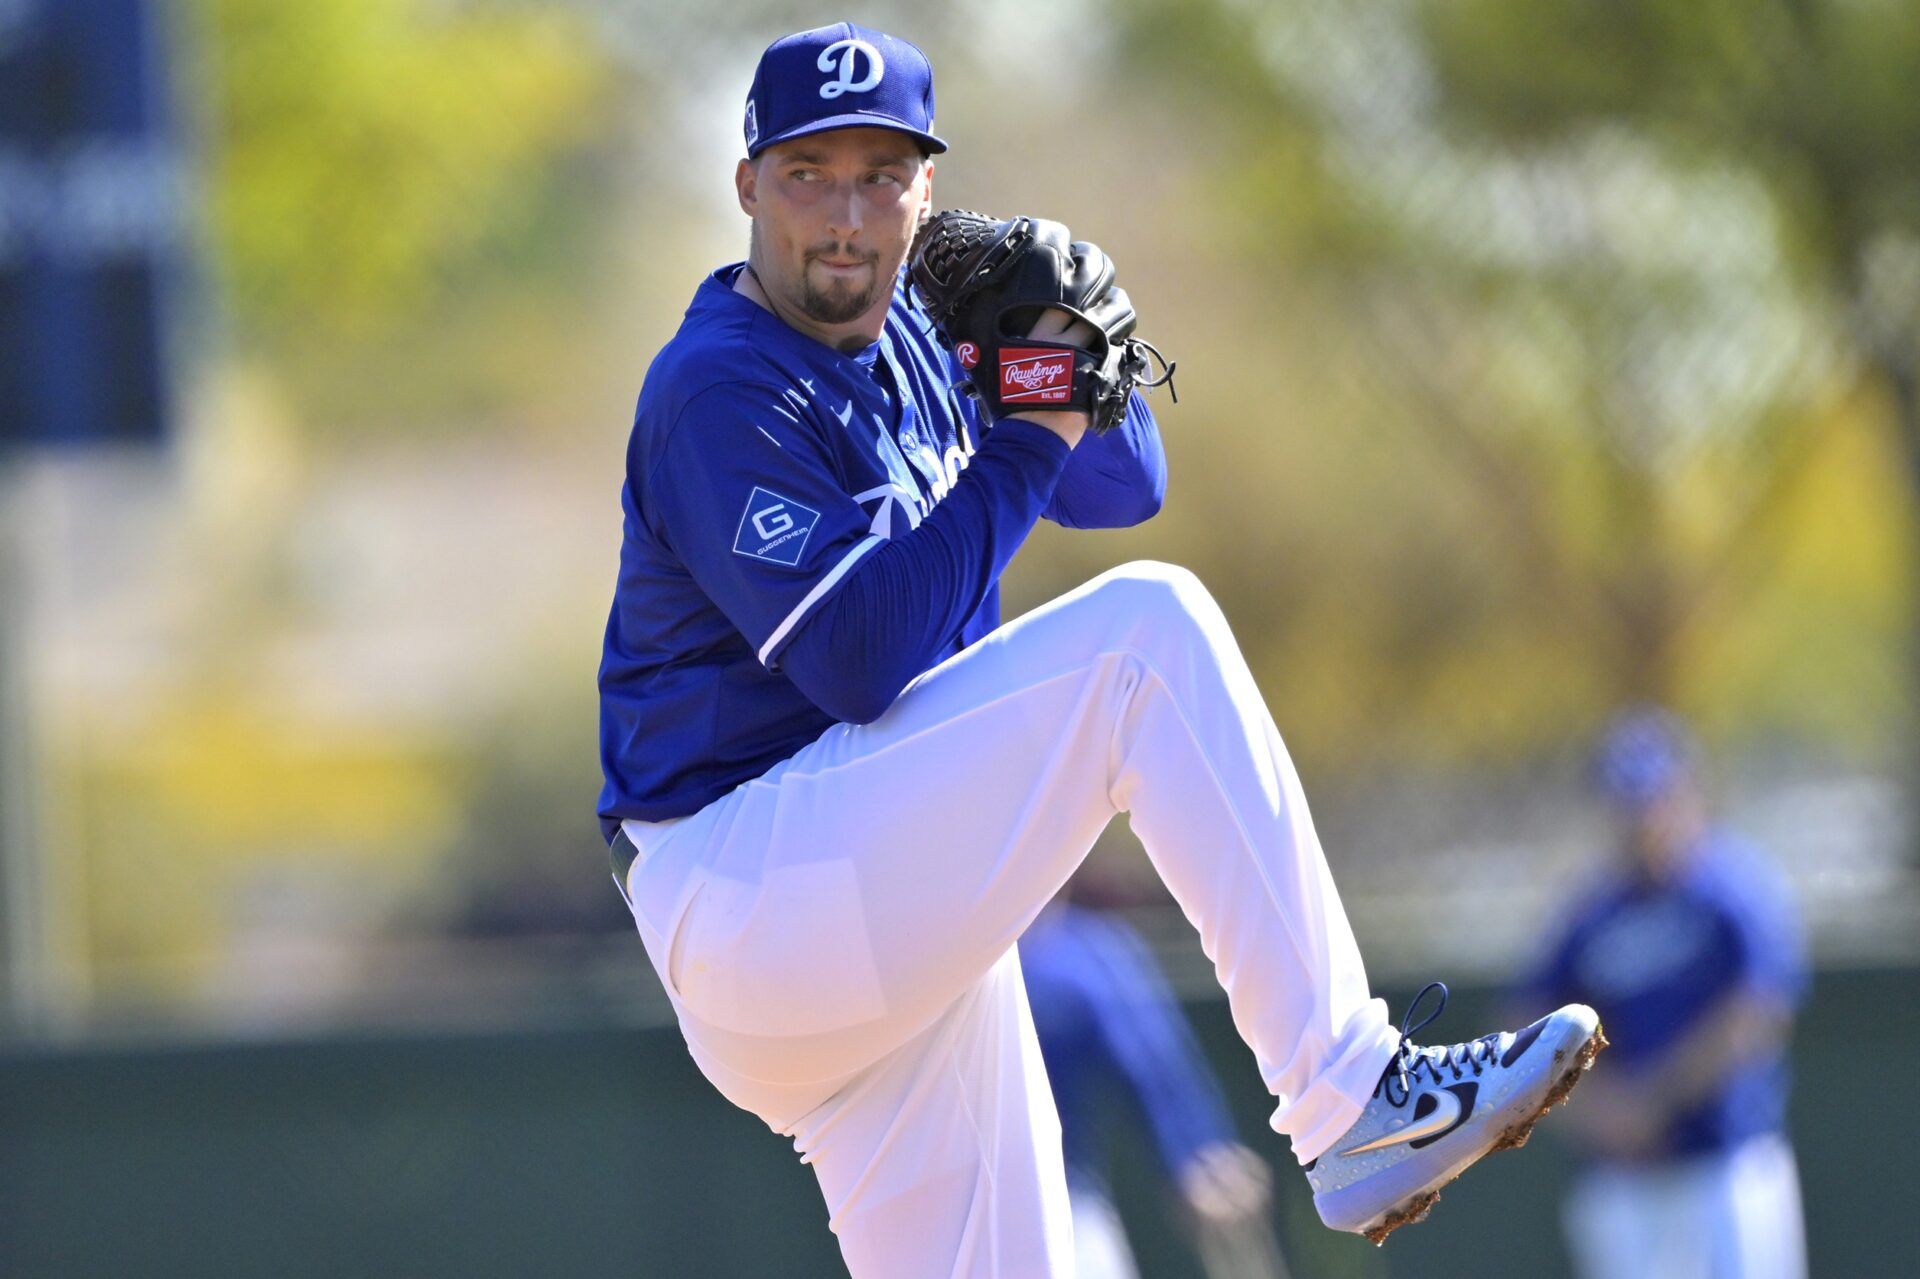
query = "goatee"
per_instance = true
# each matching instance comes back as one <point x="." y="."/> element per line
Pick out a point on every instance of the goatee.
<point x="837" y="305"/>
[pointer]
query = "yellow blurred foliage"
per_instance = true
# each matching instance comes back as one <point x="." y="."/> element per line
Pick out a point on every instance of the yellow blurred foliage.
<point x="362" y="150"/>
<point x="214" y="819"/>
<point x="232" y="781"/>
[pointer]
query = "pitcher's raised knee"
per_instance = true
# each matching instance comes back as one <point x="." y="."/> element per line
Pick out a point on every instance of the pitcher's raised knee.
<point x="1154" y="592"/>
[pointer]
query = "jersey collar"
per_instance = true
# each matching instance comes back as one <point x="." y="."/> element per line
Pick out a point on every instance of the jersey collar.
<point x="718" y="289"/>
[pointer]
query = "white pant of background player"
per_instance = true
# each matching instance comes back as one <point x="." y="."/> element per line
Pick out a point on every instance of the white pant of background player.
<point x="837" y="936"/>
<point x="1100" y="1247"/>
<point x="1732" y="1214"/>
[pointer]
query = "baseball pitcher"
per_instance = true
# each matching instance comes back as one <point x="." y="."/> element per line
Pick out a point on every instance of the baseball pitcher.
<point x="838" y="789"/>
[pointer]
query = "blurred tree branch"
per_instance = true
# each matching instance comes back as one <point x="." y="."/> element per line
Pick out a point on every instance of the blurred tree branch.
<point x="1616" y="261"/>
<point x="373" y="164"/>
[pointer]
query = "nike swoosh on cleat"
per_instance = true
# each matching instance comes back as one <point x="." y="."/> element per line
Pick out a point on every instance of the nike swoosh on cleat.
<point x="1447" y="1114"/>
<point x="1466" y="1093"/>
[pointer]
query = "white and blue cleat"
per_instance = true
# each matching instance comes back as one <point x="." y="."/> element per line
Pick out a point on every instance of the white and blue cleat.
<point x="1437" y="1110"/>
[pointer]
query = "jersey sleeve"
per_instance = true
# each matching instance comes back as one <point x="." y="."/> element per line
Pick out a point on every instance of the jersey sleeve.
<point x="1772" y="949"/>
<point x="1148" y="1038"/>
<point x="900" y="610"/>
<point x="745" y="495"/>
<point x="1114" y="479"/>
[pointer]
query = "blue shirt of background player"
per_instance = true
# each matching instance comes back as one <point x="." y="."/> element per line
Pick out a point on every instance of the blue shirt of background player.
<point x="763" y="469"/>
<point x="1655" y="958"/>
<point x="1106" y="1020"/>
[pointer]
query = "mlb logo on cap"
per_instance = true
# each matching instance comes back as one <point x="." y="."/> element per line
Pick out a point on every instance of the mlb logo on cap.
<point x="840" y="77"/>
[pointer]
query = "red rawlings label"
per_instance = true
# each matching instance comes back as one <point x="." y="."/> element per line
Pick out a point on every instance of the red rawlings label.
<point x="968" y="353"/>
<point x="1035" y="376"/>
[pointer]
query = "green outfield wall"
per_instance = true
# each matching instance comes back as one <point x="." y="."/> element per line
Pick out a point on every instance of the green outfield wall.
<point x="594" y="1152"/>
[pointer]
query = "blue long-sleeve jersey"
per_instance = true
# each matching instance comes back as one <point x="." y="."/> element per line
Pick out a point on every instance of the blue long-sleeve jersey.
<point x="806" y="530"/>
<point x="1656" y="958"/>
<point x="1107" y="1021"/>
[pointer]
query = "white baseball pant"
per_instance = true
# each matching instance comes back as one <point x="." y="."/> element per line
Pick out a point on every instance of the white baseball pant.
<point x="837" y="935"/>
<point x="1100" y="1246"/>
<point x="1732" y="1214"/>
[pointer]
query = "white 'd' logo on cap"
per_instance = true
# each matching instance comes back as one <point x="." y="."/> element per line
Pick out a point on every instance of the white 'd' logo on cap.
<point x="840" y="57"/>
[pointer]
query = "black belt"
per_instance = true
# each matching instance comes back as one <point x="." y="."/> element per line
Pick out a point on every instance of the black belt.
<point x="624" y="855"/>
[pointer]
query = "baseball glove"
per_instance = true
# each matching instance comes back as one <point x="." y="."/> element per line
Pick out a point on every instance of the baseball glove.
<point x="985" y="282"/>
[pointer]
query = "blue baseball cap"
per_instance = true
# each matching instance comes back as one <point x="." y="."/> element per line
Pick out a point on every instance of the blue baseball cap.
<point x="840" y="77"/>
<point x="1643" y="753"/>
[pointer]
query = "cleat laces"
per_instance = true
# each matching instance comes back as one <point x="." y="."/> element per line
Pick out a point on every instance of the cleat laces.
<point x="1404" y="1071"/>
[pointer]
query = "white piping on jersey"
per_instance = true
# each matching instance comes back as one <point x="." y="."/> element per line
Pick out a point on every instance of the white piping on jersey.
<point x="820" y="588"/>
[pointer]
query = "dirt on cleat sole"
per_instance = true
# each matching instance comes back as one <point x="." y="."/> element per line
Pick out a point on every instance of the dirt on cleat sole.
<point x="1414" y="1209"/>
<point x="1516" y="1136"/>
<point x="1417" y="1208"/>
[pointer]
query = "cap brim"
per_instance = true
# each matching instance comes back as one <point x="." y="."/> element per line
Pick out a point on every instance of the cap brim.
<point x="852" y="120"/>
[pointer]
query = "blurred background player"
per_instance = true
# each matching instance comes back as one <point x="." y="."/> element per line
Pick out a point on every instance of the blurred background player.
<point x="1107" y="1022"/>
<point x="1688" y="946"/>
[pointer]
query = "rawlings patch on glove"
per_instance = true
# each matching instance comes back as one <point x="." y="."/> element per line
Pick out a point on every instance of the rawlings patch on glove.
<point x="985" y="283"/>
